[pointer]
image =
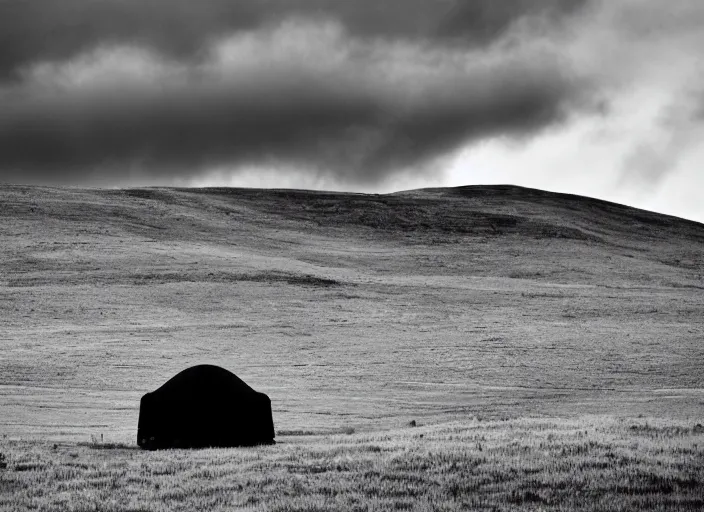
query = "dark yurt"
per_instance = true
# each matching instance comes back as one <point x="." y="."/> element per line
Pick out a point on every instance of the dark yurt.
<point x="204" y="406"/>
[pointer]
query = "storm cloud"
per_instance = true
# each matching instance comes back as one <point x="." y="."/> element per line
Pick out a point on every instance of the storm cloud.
<point x="54" y="30"/>
<point x="97" y="91"/>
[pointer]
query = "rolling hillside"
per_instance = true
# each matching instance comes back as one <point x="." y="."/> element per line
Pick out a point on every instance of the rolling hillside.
<point x="348" y="310"/>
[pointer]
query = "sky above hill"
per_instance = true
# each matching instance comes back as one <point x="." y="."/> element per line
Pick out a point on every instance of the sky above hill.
<point x="594" y="97"/>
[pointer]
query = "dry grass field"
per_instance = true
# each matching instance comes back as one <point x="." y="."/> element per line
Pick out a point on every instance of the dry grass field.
<point x="585" y="464"/>
<point x="546" y="329"/>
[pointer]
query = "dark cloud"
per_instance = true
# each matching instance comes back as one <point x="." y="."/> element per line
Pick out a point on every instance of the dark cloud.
<point x="53" y="30"/>
<point x="302" y="94"/>
<point x="485" y="21"/>
<point x="357" y="91"/>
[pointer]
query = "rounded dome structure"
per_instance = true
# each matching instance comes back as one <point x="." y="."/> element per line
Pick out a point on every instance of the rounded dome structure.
<point x="204" y="406"/>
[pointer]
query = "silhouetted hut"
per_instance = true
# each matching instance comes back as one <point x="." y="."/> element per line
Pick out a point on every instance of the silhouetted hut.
<point x="204" y="406"/>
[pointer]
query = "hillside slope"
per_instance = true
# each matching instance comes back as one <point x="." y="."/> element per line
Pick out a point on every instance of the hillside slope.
<point x="347" y="309"/>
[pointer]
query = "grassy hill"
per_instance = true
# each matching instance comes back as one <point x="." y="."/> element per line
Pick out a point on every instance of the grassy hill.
<point x="549" y="348"/>
<point x="349" y="310"/>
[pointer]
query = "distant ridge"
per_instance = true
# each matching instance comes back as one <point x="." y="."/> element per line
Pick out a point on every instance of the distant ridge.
<point x="516" y="191"/>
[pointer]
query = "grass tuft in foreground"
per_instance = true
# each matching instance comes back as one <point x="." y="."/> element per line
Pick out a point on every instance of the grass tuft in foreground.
<point x="594" y="464"/>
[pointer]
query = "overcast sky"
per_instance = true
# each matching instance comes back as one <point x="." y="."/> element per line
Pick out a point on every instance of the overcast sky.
<point x="596" y="97"/>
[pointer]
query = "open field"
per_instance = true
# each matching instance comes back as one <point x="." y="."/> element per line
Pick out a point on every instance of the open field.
<point x="348" y="310"/>
<point x="542" y="315"/>
<point x="593" y="464"/>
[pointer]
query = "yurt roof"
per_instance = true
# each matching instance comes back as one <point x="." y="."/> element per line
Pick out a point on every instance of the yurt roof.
<point x="203" y="378"/>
